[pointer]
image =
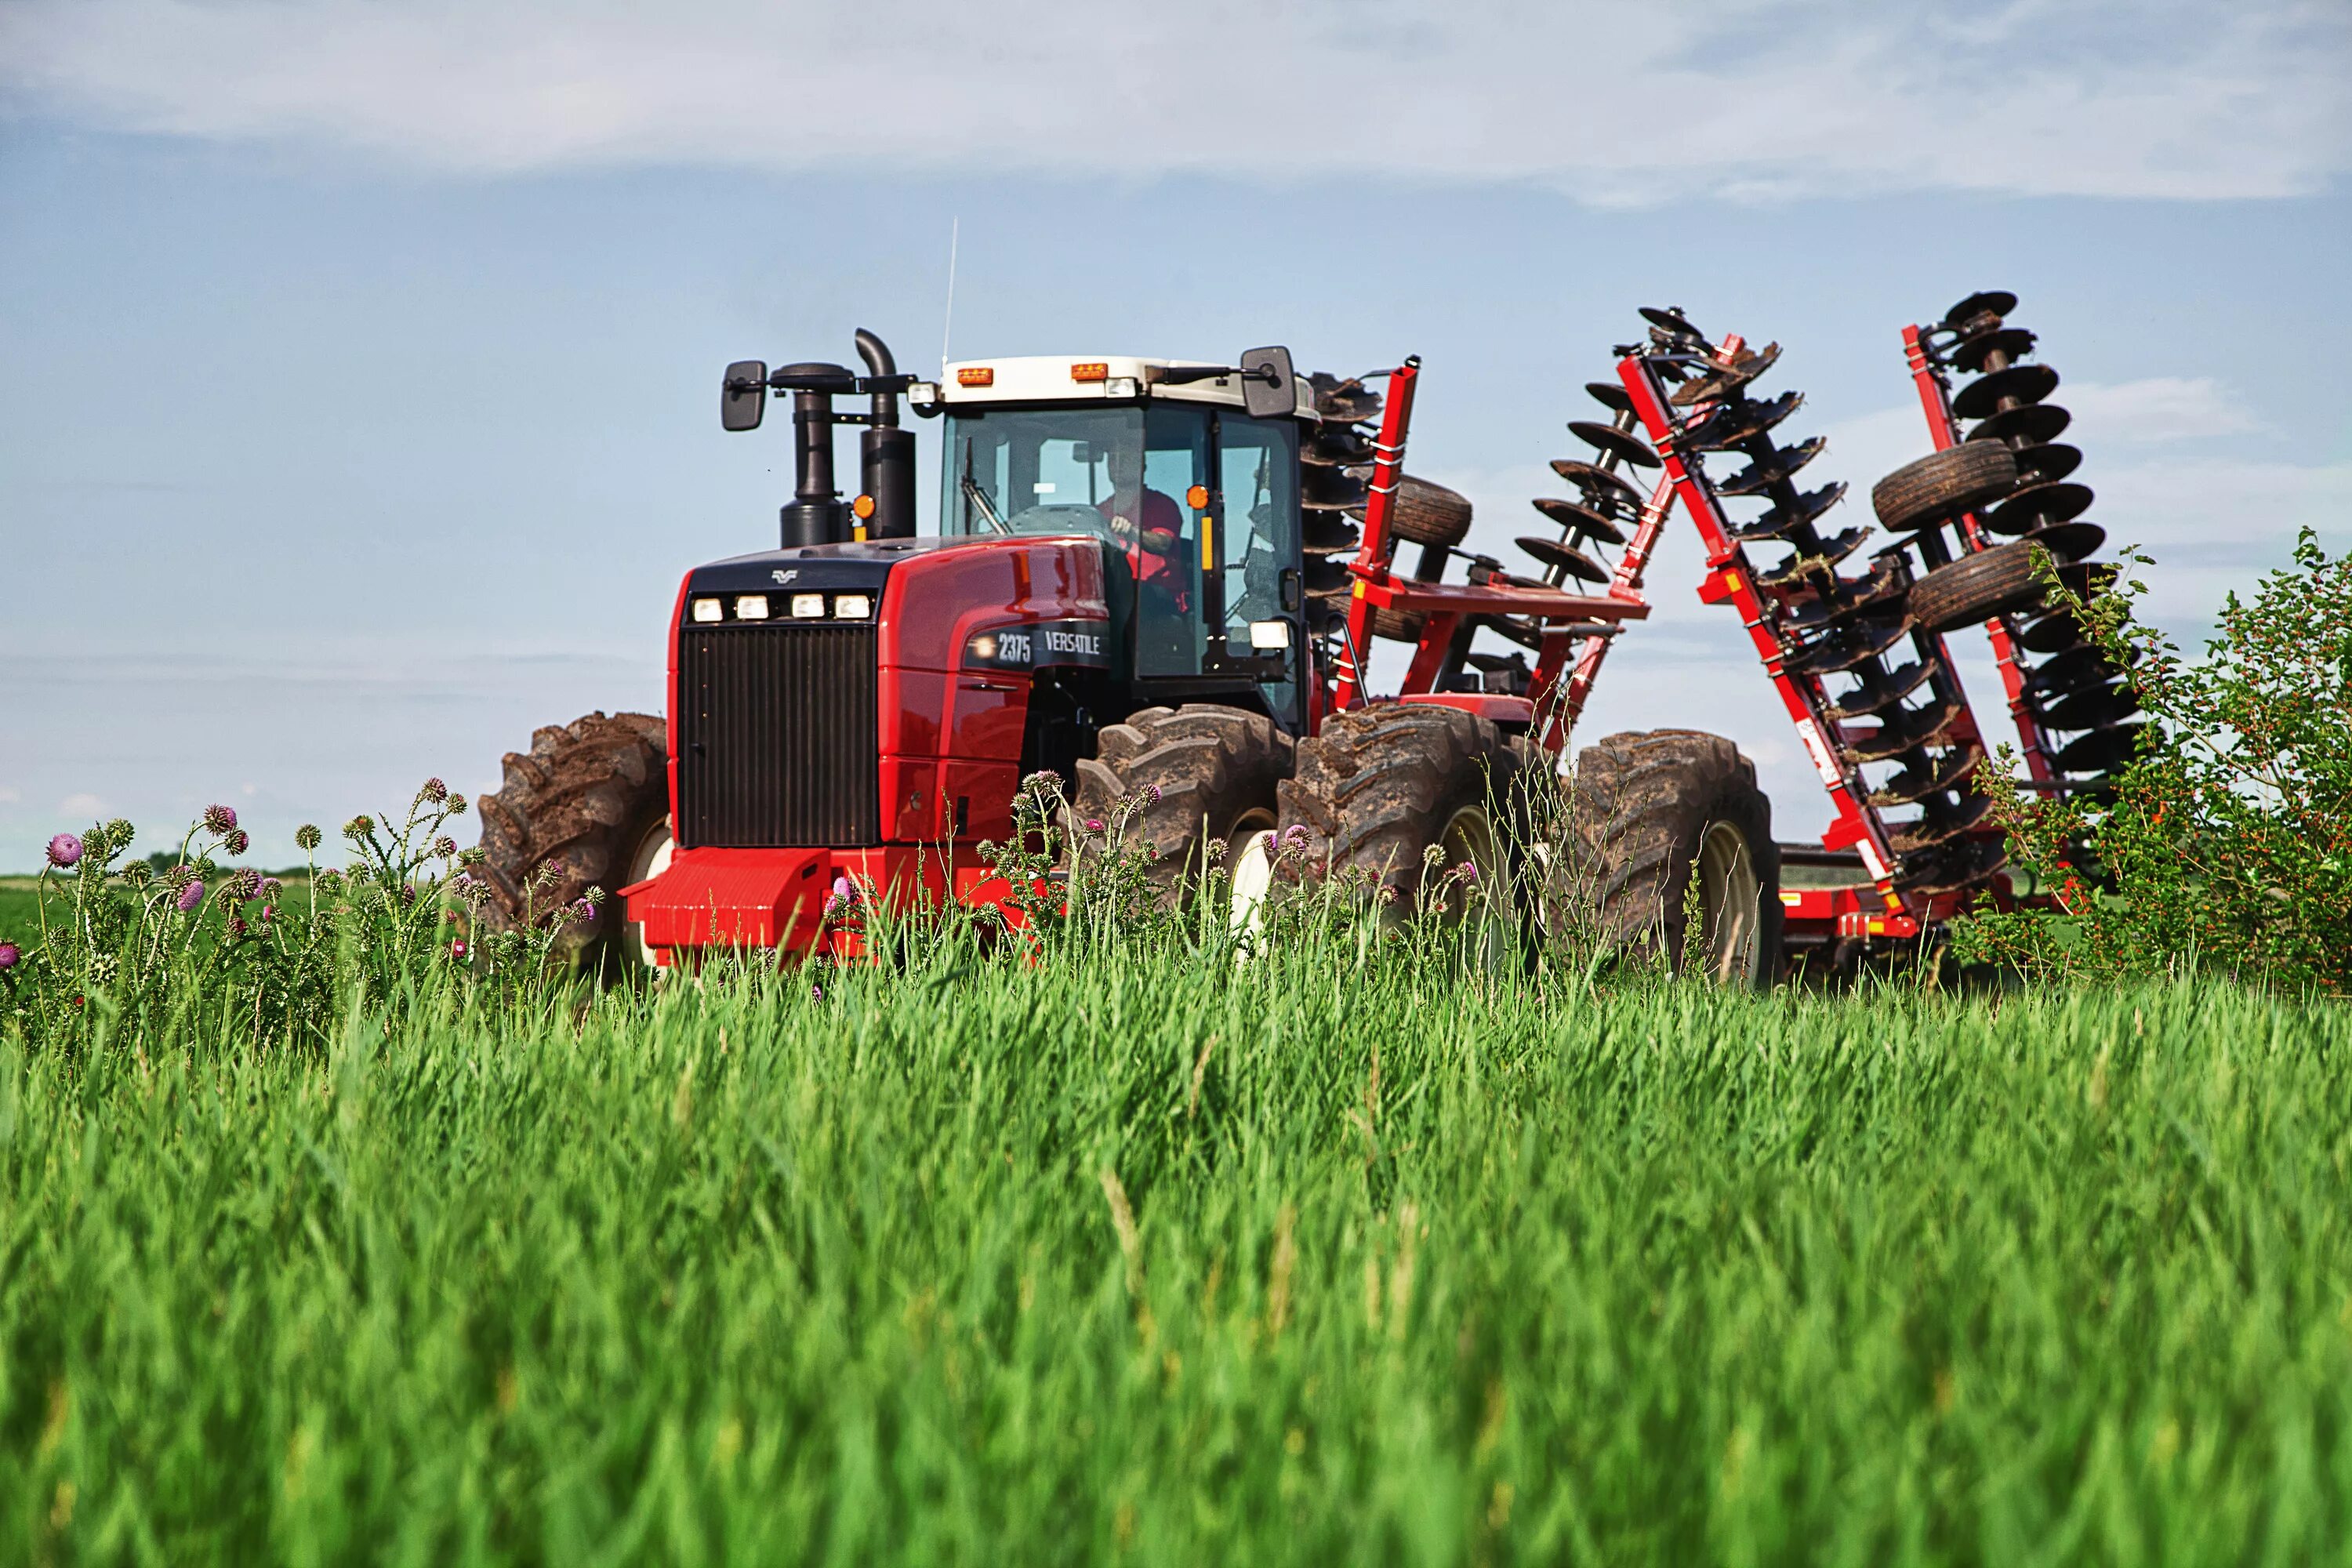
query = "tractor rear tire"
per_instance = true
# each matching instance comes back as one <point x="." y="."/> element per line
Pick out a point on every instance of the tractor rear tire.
<point x="1425" y="513"/>
<point x="1216" y="769"/>
<point x="1398" y="625"/>
<point x="1383" y="785"/>
<point x="590" y="799"/>
<point x="1942" y="485"/>
<point x="1977" y="587"/>
<point x="1643" y="809"/>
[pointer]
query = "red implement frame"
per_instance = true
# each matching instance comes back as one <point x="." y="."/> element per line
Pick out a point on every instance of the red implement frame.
<point x="1935" y="402"/>
<point x="1446" y="604"/>
<point x="1731" y="580"/>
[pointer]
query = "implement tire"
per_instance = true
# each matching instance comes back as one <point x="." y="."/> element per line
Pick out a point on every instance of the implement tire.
<point x="1384" y="784"/>
<point x="1942" y="485"/>
<point x="1645" y="808"/>
<point x="1216" y="769"/>
<point x="1425" y="513"/>
<point x="591" y="799"/>
<point x="1977" y="587"/>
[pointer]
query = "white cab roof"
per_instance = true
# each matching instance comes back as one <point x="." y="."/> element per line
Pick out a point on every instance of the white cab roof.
<point x="1065" y="378"/>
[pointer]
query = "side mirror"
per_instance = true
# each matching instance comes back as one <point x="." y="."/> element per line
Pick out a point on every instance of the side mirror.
<point x="1267" y="383"/>
<point x="744" y="397"/>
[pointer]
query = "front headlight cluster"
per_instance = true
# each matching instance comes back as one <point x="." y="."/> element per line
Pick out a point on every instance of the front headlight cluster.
<point x="707" y="609"/>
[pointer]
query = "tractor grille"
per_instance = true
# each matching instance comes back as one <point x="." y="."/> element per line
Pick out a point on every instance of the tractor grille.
<point x="776" y="744"/>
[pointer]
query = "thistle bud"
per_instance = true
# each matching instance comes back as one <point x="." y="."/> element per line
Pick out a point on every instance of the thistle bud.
<point x="219" y="820"/>
<point x="307" y="837"/>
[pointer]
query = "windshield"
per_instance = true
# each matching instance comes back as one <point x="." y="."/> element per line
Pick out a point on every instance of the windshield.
<point x="1067" y="470"/>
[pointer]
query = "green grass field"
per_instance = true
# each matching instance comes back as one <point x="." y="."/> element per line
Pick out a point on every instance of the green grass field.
<point x="1156" y="1262"/>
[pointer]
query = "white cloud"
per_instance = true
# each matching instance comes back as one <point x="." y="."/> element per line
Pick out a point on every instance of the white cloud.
<point x="1622" y="104"/>
<point x="2160" y="408"/>
<point x="82" y="806"/>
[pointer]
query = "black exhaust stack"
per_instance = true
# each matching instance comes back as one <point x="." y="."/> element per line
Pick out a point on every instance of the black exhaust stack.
<point x="815" y="515"/>
<point x="887" y="452"/>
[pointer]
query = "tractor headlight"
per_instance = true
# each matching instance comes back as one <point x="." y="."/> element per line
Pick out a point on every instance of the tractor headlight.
<point x="751" y="606"/>
<point x="808" y="606"/>
<point x="709" y="610"/>
<point x="852" y="607"/>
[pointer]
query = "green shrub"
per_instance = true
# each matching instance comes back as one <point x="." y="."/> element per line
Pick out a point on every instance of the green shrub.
<point x="2228" y="843"/>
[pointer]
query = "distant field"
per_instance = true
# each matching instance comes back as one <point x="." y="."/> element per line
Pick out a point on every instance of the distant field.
<point x="1153" y="1259"/>
<point x="17" y="914"/>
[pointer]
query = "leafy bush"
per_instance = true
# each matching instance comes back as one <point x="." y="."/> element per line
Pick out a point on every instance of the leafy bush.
<point x="2228" y="843"/>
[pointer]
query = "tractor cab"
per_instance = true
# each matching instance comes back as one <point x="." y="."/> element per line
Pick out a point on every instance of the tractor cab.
<point x="1189" y="485"/>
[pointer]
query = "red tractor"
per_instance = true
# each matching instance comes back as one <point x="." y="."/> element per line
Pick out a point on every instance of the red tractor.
<point x="1149" y="577"/>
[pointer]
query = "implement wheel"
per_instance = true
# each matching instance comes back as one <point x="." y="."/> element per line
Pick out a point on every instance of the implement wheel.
<point x="1385" y="784"/>
<point x="1977" y="587"/>
<point x="590" y="799"/>
<point x="1425" y="513"/>
<point x="1942" y="485"/>
<point x="1647" y="809"/>
<point x="1216" y="769"/>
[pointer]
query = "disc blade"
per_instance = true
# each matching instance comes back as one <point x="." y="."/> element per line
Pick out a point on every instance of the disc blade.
<point x="1939" y="824"/>
<point x="1565" y="558"/>
<point x="1611" y="395"/>
<point x="1325" y="531"/>
<point x="1745" y="367"/>
<point x="1583" y="519"/>
<point x="1326" y="573"/>
<point x="2020" y="383"/>
<point x="2051" y="634"/>
<point x="1670" y="318"/>
<point x="2100" y="750"/>
<point x="2070" y="540"/>
<point x="1623" y="444"/>
<point x="2051" y="460"/>
<point x="1597" y="481"/>
<point x="1880" y="692"/>
<point x="1779" y="522"/>
<point x="1762" y="474"/>
<point x="2038" y="505"/>
<point x="2080" y="665"/>
<point x="1337" y="447"/>
<point x="1904" y="731"/>
<point x="1854" y="643"/>
<point x="2033" y="422"/>
<point x="1953" y="868"/>
<point x="1944" y="771"/>
<point x="1807" y="561"/>
<point x="2090" y="707"/>
<point x="1330" y="489"/>
<point x="1970" y="352"/>
<point x="1348" y="401"/>
<point x="1734" y="423"/>
<point x="1984" y="303"/>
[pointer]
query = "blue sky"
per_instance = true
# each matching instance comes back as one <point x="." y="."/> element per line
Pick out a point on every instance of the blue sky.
<point x="357" y="363"/>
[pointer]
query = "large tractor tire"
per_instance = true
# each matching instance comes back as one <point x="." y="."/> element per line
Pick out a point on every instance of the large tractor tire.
<point x="1216" y="769"/>
<point x="1383" y="785"/>
<point x="1645" y="808"/>
<point x="1942" y="485"/>
<point x="590" y="799"/>
<point x="1977" y="587"/>
<point x="1425" y="513"/>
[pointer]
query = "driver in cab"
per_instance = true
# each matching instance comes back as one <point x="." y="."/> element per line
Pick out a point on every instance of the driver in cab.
<point x="1145" y="523"/>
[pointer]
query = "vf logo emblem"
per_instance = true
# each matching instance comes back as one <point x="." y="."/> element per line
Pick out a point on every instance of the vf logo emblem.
<point x="783" y="575"/>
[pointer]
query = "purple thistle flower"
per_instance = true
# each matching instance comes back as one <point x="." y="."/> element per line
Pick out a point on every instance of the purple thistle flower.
<point x="444" y="848"/>
<point x="8" y="956"/>
<point x="220" y="820"/>
<point x="458" y="948"/>
<point x="237" y="925"/>
<point x="1094" y="824"/>
<point x="65" y="851"/>
<point x="587" y="910"/>
<point x="1154" y="790"/>
<point x="269" y="912"/>
<point x="1469" y="873"/>
<point x="190" y="897"/>
<point x="238" y="842"/>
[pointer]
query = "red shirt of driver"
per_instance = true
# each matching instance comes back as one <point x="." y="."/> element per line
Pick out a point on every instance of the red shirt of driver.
<point x="1160" y="515"/>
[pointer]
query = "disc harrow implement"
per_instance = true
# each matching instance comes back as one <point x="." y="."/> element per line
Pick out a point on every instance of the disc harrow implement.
<point x="2072" y="708"/>
<point x="1874" y="696"/>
